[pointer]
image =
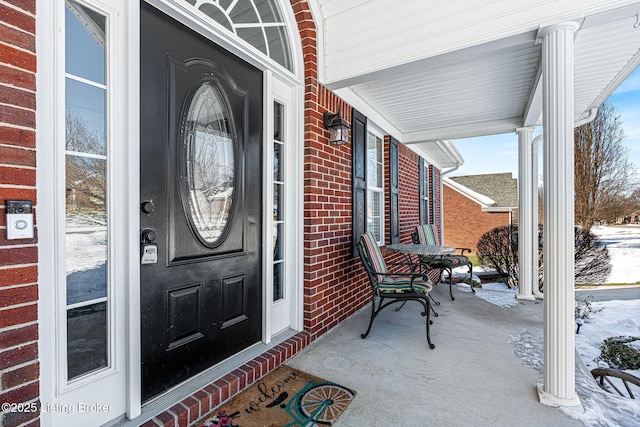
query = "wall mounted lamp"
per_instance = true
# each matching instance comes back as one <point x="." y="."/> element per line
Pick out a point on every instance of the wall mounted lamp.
<point x="338" y="127"/>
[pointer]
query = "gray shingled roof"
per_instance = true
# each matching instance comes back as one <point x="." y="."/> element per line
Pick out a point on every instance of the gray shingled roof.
<point x="500" y="187"/>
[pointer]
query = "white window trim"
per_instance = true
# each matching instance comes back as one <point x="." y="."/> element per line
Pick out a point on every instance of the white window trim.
<point x="50" y="132"/>
<point x="277" y="89"/>
<point x="374" y="130"/>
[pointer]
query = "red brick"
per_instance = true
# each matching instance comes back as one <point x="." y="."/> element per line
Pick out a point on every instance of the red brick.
<point x="17" y="176"/>
<point x="18" y="315"/>
<point x="181" y="413"/>
<point x="17" y="77"/>
<point x="17" y="38"/>
<point x="26" y="5"/>
<point x="19" y="19"/>
<point x="17" y="116"/>
<point x="10" y="193"/>
<point x="223" y="388"/>
<point x="17" y="97"/>
<point x="205" y="401"/>
<point x="18" y="276"/>
<point x="23" y="394"/>
<point x="21" y="375"/>
<point x="19" y="295"/>
<point x="193" y="406"/>
<point x="19" y="138"/>
<point x="24" y="255"/>
<point x="20" y="418"/>
<point x="17" y="156"/>
<point x="465" y="230"/>
<point x="166" y="419"/>
<point x="14" y="337"/>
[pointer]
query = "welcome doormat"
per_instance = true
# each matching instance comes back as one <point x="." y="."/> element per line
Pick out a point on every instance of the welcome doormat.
<point x="286" y="397"/>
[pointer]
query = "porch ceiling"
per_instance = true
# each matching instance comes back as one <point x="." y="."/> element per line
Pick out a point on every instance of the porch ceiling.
<point x="429" y="71"/>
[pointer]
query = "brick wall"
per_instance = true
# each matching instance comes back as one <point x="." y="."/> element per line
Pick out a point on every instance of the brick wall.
<point x="408" y="192"/>
<point x="19" y="368"/>
<point x="465" y="221"/>
<point x="334" y="281"/>
<point x="335" y="285"/>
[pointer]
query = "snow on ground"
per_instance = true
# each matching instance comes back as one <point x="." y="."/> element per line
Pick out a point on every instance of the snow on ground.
<point x="598" y="408"/>
<point x="495" y="293"/>
<point x="614" y="318"/>
<point x="623" y="243"/>
<point x="610" y="319"/>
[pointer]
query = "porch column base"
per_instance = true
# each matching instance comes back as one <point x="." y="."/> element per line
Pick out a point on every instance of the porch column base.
<point x="525" y="297"/>
<point x="554" y="401"/>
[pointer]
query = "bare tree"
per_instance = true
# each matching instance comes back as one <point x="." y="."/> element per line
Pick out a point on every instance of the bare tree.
<point x="602" y="168"/>
<point x="86" y="174"/>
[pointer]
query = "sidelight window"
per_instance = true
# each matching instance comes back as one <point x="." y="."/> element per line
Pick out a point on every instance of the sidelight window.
<point x="278" y="201"/>
<point x="86" y="191"/>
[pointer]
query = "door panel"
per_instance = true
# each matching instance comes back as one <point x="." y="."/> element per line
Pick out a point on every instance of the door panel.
<point x="201" y="130"/>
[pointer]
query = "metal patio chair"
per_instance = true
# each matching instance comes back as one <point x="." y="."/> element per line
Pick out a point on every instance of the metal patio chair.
<point x="426" y="234"/>
<point x="392" y="287"/>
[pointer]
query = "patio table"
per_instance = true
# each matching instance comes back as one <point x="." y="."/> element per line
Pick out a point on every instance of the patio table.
<point x="424" y="250"/>
<point x="408" y="249"/>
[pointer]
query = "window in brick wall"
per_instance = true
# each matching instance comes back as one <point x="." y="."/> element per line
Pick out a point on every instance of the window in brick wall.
<point x="425" y="189"/>
<point x="375" y="185"/>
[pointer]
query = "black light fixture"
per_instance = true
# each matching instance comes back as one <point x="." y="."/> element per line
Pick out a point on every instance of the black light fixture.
<point x="338" y="127"/>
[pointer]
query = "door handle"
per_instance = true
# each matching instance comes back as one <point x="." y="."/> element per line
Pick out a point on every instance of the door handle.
<point x="148" y="246"/>
<point x="147" y="235"/>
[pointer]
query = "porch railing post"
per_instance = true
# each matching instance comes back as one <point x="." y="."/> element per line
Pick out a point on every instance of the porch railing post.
<point x="559" y="294"/>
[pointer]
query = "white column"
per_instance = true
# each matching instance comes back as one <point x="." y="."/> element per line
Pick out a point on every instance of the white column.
<point x="526" y="191"/>
<point x="534" y="224"/>
<point x="559" y="323"/>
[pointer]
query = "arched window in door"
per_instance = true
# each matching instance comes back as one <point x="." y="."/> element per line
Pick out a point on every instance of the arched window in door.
<point x="258" y="22"/>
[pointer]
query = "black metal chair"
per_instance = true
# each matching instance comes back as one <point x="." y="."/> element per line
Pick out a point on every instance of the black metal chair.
<point x="426" y="234"/>
<point x="623" y="383"/>
<point x="392" y="287"/>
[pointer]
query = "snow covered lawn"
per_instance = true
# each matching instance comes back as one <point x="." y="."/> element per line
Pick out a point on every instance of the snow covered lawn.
<point x="615" y="318"/>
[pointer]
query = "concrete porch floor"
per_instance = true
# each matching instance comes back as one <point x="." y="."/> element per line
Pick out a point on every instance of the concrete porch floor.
<point x="472" y="377"/>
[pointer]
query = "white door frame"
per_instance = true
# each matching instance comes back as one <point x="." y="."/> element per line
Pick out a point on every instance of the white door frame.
<point x="50" y="96"/>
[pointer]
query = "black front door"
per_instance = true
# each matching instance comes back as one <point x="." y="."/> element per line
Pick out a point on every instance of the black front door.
<point x="200" y="173"/>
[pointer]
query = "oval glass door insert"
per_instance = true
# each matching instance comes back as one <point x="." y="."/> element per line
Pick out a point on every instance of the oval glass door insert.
<point x="209" y="137"/>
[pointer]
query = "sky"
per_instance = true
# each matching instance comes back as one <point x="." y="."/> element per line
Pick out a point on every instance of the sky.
<point x="503" y="155"/>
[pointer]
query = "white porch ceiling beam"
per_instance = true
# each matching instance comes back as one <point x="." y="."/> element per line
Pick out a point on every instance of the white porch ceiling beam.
<point x="493" y="127"/>
<point x="533" y="112"/>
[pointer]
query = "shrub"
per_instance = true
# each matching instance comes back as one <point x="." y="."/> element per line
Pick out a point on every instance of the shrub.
<point x="583" y="311"/>
<point x="499" y="248"/>
<point x="585" y="308"/>
<point x="621" y="352"/>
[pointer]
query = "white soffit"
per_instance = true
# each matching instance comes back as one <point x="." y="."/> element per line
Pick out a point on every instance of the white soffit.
<point x="605" y="54"/>
<point x="363" y="37"/>
<point x="454" y="69"/>
<point x="434" y="97"/>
